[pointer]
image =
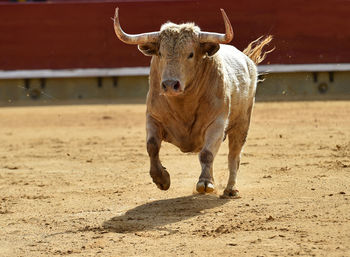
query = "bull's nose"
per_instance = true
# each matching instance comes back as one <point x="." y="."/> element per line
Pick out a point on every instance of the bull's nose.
<point x="171" y="84"/>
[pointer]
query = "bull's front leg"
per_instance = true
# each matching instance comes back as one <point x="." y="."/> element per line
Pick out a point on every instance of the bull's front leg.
<point x="212" y="142"/>
<point x="154" y="138"/>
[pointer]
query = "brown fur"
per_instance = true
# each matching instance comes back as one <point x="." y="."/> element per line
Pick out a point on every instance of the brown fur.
<point x="217" y="94"/>
<point x="206" y="157"/>
<point x="199" y="90"/>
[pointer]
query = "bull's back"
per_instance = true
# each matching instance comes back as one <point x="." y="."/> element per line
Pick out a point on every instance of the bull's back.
<point x="240" y="75"/>
<point x="238" y="68"/>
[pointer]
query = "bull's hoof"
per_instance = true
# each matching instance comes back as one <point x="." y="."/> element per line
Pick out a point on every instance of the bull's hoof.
<point x="161" y="179"/>
<point x="205" y="187"/>
<point x="230" y="194"/>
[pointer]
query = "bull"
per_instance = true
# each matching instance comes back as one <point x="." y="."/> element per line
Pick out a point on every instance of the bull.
<point x="201" y="91"/>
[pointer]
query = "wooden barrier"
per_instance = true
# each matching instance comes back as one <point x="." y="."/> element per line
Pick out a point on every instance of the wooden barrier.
<point x="79" y="34"/>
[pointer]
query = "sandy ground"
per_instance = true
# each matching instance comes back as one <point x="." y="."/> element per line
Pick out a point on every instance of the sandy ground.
<point x="74" y="181"/>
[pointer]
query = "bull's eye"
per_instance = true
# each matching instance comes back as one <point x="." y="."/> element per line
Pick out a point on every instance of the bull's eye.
<point x="190" y="56"/>
<point x="160" y="54"/>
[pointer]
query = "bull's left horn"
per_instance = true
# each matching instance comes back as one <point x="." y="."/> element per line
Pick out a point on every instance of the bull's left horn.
<point x="218" y="37"/>
<point x="135" y="39"/>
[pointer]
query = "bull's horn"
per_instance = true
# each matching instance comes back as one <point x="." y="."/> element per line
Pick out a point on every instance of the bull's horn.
<point x="218" y="37"/>
<point x="135" y="39"/>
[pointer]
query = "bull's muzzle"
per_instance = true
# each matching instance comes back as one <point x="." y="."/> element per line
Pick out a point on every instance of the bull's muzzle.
<point x="171" y="87"/>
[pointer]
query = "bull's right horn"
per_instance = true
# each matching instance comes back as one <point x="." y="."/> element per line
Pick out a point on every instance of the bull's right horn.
<point x="206" y="37"/>
<point x="135" y="39"/>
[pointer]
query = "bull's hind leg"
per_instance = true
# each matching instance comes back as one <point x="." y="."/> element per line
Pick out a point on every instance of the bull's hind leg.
<point x="213" y="139"/>
<point x="154" y="138"/>
<point x="235" y="146"/>
<point x="237" y="138"/>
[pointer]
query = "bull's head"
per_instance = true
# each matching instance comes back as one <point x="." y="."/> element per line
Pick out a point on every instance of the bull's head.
<point x="178" y="49"/>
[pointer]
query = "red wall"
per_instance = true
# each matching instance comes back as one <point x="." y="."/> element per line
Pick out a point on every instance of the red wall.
<point x="79" y="34"/>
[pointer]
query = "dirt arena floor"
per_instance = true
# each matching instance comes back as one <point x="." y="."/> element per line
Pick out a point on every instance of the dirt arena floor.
<point x="74" y="181"/>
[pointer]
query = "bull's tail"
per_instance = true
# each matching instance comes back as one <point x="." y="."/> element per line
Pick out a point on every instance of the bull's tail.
<point x="254" y="49"/>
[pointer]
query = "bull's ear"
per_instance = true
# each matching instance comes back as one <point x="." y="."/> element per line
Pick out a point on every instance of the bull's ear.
<point x="148" y="49"/>
<point x="210" y="48"/>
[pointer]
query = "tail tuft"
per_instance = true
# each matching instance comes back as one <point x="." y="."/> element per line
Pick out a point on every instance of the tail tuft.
<point x="254" y="49"/>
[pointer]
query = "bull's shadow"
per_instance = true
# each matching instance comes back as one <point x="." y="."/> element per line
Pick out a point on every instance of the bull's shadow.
<point x="159" y="213"/>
